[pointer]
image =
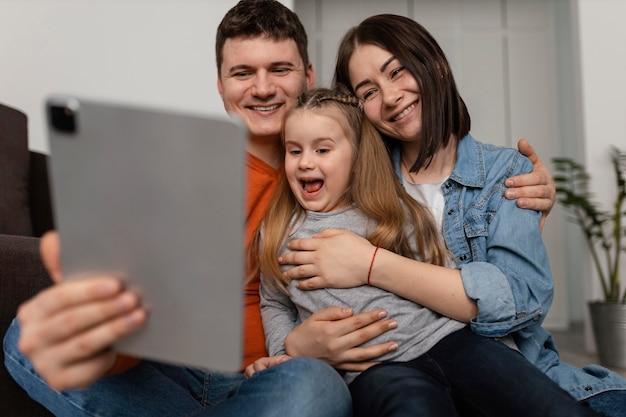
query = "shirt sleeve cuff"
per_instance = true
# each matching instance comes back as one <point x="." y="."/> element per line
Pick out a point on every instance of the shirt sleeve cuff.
<point x="487" y="286"/>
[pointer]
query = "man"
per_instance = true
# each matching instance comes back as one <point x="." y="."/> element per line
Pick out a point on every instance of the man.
<point x="65" y="333"/>
<point x="67" y="330"/>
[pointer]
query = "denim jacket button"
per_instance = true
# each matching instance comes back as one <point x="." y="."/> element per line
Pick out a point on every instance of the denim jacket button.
<point x="463" y="257"/>
<point x="450" y="212"/>
<point x="588" y="388"/>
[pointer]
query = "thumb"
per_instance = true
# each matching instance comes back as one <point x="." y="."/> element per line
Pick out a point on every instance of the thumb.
<point x="50" y="250"/>
<point x="527" y="150"/>
<point x="329" y="232"/>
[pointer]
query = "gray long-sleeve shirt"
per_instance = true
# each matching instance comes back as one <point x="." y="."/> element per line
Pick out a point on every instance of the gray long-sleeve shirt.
<point x="419" y="328"/>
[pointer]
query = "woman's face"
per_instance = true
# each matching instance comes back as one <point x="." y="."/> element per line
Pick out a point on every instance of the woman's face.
<point x="389" y="92"/>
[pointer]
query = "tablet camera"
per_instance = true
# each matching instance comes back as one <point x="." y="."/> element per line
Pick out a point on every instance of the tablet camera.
<point x="63" y="118"/>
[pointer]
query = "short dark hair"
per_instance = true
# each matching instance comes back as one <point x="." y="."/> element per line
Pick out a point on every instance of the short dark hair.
<point x="269" y="18"/>
<point x="443" y="110"/>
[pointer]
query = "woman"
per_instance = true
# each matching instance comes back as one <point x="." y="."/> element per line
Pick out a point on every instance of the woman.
<point x="502" y="286"/>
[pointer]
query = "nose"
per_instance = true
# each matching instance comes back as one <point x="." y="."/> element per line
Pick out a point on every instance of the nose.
<point x="264" y="85"/>
<point x="391" y="95"/>
<point x="306" y="161"/>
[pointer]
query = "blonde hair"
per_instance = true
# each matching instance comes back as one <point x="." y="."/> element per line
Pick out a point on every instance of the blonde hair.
<point x="374" y="189"/>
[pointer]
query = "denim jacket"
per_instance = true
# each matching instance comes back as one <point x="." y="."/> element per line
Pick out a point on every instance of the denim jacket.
<point x="503" y="261"/>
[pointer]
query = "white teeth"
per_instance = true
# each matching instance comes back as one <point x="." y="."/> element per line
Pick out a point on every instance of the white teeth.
<point x="264" y="108"/>
<point x="404" y="113"/>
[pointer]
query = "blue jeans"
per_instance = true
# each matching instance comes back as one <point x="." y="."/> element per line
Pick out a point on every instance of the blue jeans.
<point x="463" y="375"/>
<point x="298" y="387"/>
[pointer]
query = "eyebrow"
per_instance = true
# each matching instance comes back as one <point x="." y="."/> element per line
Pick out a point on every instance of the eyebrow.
<point x="315" y="141"/>
<point x="240" y="67"/>
<point x="387" y="62"/>
<point x="382" y="69"/>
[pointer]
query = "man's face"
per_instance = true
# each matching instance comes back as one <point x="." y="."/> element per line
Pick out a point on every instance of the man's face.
<point x="260" y="80"/>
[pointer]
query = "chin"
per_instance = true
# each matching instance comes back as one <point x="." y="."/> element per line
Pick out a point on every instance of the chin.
<point x="273" y="131"/>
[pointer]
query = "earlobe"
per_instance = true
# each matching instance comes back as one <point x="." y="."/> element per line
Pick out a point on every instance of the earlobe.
<point x="310" y="76"/>
<point x="220" y="88"/>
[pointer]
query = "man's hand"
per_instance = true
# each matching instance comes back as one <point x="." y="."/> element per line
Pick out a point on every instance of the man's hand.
<point x="535" y="190"/>
<point x="68" y="329"/>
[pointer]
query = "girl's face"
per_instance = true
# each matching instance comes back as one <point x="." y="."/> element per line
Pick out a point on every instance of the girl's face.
<point x="318" y="160"/>
<point x="389" y="92"/>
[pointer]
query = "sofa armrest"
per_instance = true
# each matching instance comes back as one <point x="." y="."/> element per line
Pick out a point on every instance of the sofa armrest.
<point x="22" y="275"/>
<point x="41" y="215"/>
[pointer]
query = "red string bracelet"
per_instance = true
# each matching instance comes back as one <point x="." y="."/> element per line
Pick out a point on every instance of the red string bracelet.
<point x="371" y="265"/>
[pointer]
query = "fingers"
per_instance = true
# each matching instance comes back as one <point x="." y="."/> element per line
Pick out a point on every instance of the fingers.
<point x="306" y="284"/>
<point x="530" y="180"/>
<point x="69" y="322"/>
<point x="357" y="329"/>
<point x="329" y="233"/>
<point x="250" y="370"/>
<point x="67" y="295"/>
<point x="80" y="375"/>
<point x="362" y="331"/>
<point x="83" y="359"/>
<point x="352" y="332"/>
<point x="264" y="363"/>
<point x="72" y="349"/>
<point x="97" y="339"/>
<point x="527" y="150"/>
<point x="67" y="330"/>
<point x="539" y="204"/>
<point x="303" y="244"/>
<point x="332" y="314"/>
<point x="296" y="258"/>
<point x="50" y="251"/>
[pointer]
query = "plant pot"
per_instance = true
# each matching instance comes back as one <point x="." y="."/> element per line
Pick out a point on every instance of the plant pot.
<point x="609" y="329"/>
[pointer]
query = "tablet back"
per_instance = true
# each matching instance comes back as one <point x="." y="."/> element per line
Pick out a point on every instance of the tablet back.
<point x="157" y="198"/>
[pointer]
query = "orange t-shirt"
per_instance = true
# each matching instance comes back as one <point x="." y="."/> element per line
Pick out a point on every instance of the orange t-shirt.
<point x="262" y="180"/>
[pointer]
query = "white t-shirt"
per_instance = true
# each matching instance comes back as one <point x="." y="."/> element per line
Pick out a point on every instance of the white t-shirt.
<point x="429" y="195"/>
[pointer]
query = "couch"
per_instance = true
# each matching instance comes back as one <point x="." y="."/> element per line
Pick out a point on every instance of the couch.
<point x="25" y="214"/>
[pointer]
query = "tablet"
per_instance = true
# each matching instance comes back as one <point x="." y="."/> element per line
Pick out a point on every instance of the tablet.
<point x="157" y="198"/>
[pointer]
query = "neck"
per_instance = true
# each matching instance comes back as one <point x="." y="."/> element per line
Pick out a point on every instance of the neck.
<point x="266" y="148"/>
<point x="440" y="167"/>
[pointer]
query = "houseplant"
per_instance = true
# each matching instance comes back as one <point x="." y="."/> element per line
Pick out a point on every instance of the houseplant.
<point x="604" y="231"/>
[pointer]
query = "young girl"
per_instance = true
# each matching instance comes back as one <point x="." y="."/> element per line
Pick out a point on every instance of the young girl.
<point x="338" y="174"/>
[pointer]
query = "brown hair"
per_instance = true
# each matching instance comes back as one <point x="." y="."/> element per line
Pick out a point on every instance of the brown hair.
<point x="374" y="189"/>
<point x="443" y="110"/>
<point x="254" y="18"/>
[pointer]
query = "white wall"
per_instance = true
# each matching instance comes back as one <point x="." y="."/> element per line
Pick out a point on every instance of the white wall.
<point x="602" y="38"/>
<point x="161" y="53"/>
<point x="153" y="52"/>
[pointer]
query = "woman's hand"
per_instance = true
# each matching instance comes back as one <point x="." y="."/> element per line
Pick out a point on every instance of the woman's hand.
<point x="264" y="363"/>
<point x="334" y="258"/>
<point x="535" y="190"/>
<point x="68" y="329"/>
<point x="334" y="335"/>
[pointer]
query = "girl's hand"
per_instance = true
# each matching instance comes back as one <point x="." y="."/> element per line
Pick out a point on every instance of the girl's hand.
<point x="334" y="258"/>
<point x="264" y="363"/>
<point x="334" y="335"/>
